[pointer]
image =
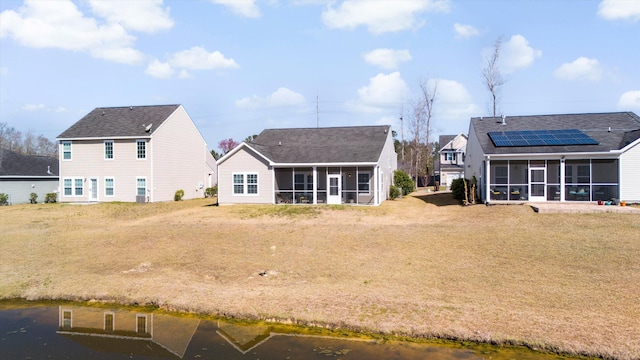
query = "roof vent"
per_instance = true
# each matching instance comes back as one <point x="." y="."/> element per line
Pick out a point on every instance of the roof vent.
<point x="609" y="129"/>
<point x="102" y="112"/>
<point x="279" y="143"/>
<point x="504" y="120"/>
<point x="130" y="107"/>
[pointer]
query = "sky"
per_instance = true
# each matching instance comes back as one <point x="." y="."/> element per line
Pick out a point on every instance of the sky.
<point x="241" y="66"/>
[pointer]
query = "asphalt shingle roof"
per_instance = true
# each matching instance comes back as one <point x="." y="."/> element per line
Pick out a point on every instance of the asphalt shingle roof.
<point x="14" y="164"/>
<point x="612" y="131"/>
<point x="322" y="145"/>
<point x="126" y="121"/>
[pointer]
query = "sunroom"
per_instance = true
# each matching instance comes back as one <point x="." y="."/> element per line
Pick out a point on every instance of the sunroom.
<point x="325" y="185"/>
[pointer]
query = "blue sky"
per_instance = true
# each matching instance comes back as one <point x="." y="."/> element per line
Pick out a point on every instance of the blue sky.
<point x="240" y="66"/>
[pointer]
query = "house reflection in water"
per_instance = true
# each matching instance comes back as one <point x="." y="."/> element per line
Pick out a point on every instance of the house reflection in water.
<point x="243" y="338"/>
<point x="123" y="331"/>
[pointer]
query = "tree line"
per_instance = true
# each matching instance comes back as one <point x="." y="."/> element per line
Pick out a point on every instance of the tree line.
<point x="26" y="143"/>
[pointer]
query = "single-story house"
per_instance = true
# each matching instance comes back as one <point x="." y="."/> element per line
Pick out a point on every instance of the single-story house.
<point x="452" y="155"/>
<point x="336" y="165"/>
<point x="566" y="157"/>
<point x="134" y="153"/>
<point x="21" y="175"/>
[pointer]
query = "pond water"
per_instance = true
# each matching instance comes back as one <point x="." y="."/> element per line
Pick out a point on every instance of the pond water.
<point x="71" y="331"/>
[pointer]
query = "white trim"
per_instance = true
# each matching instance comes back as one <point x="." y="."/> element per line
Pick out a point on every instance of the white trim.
<point x="70" y="150"/>
<point x="145" y="149"/>
<point x="113" y="186"/>
<point x="146" y="186"/>
<point x="104" y="138"/>
<point x="73" y="186"/>
<point x="245" y="184"/>
<point x="113" y="155"/>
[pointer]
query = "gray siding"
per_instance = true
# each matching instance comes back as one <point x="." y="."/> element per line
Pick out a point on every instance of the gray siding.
<point x="19" y="191"/>
<point x="245" y="161"/>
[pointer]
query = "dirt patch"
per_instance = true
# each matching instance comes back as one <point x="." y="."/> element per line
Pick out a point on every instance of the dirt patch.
<point x="418" y="267"/>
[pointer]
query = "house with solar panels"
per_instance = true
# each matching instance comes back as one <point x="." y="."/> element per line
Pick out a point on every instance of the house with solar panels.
<point x="567" y="157"/>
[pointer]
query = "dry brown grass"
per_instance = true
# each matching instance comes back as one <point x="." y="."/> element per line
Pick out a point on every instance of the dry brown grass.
<point x="421" y="266"/>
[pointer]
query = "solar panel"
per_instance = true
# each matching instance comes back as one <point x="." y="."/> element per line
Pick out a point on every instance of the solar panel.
<point x="540" y="138"/>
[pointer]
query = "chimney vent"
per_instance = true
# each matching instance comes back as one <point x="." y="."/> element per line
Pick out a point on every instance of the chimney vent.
<point x="504" y="120"/>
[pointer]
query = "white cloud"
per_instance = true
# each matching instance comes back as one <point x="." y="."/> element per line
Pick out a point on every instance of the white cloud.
<point x="141" y="15"/>
<point x="280" y="97"/>
<point x="465" y="31"/>
<point x="246" y="8"/>
<point x="381" y="16"/>
<point x="383" y="91"/>
<point x="59" y="24"/>
<point x="33" y="107"/>
<point x="619" y="9"/>
<point x="516" y="54"/>
<point x="581" y="68"/>
<point x="453" y="103"/>
<point x="387" y="58"/>
<point x="630" y="101"/>
<point x="4" y="71"/>
<point x="197" y="58"/>
<point x="184" y="74"/>
<point x="159" y="70"/>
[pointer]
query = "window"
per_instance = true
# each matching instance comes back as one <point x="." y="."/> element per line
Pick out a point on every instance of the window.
<point x="141" y="184"/>
<point x="108" y="321"/>
<point x="73" y="186"/>
<point x="108" y="150"/>
<point x="252" y="184"/>
<point x="108" y="186"/>
<point x="245" y="184"/>
<point x="363" y="182"/>
<point x="68" y="190"/>
<point x="141" y="324"/>
<point x="141" y="147"/>
<point x="66" y="150"/>
<point x="66" y="319"/>
<point x="450" y="156"/>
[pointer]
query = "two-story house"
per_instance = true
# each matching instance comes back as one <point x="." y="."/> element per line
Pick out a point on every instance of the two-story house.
<point x="452" y="153"/>
<point x="134" y="153"/>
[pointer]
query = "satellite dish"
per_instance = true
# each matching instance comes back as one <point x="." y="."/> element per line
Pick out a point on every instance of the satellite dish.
<point x="148" y="128"/>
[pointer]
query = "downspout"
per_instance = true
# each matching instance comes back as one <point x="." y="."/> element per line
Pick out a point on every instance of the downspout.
<point x="487" y="179"/>
<point x="315" y="185"/>
<point x="562" y="181"/>
<point x="376" y="195"/>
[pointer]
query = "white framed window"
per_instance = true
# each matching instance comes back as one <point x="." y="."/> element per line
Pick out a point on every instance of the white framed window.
<point x="108" y="149"/>
<point x="141" y="324"/>
<point x="67" y="319"/>
<point x="364" y="182"/>
<point x="66" y="150"/>
<point x="73" y="186"/>
<point x="141" y="149"/>
<point x="450" y="156"/>
<point x="109" y="186"/>
<point x="141" y="186"/>
<point x="245" y="184"/>
<point x="109" y="321"/>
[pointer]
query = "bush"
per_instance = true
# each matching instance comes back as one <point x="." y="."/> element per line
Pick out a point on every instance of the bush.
<point x="402" y="180"/>
<point x="51" y="197"/>
<point x="33" y="198"/>
<point x="211" y="191"/>
<point x="4" y="199"/>
<point x="457" y="188"/>
<point x="394" y="192"/>
<point x="179" y="194"/>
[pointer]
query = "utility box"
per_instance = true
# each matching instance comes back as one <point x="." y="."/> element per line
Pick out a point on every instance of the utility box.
<point x="140" y="199"/>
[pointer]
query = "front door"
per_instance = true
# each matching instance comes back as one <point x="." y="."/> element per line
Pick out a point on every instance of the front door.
<point x="94" y="189"/>
<point x="335" y="190"/>
<point x="537" y="184"/>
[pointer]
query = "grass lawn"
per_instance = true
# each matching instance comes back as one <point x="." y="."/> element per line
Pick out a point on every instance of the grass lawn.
<point x="421" y="266"/>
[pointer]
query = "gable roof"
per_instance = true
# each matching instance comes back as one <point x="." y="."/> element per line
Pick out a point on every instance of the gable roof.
<point x="13" y="164"/>
<point x="354" y="144"/>
<point x="125" y="121"/>
<point x="445" y="140"/>
<point x="613" y="131"/>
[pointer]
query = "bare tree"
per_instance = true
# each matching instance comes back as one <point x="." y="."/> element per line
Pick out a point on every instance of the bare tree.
<point x="420" y="128"/>
<point x="493" y="79"/>
<point x="429" y="92"/>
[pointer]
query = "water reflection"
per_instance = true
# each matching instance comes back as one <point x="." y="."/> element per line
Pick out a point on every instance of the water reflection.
<point x="83" y="332"/>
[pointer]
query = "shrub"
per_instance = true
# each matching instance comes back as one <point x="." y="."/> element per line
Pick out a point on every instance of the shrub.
<point x="179" y="194"/>
<point x="51" y="197"/>
<point x="394" y="192"/>
<point x="403" y="181"/>
<point x="211" y="191"/>
<point x="4" y="199"/>
<point x="33" y="198"/>
<point x="457" y="188"/>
